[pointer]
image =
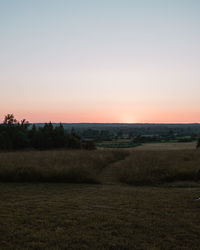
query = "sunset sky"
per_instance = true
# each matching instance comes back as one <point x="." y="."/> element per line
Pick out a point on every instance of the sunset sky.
<point x="100" y="60"/>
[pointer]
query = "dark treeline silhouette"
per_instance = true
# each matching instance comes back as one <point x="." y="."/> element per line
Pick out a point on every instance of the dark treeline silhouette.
<point x="20" y="135"/>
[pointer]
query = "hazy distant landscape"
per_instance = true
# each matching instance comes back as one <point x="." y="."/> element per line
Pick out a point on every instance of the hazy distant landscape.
<point x="124" y="135"/>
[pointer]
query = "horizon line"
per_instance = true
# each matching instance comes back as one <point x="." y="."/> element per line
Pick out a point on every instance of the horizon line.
<point x="128" y="123"/>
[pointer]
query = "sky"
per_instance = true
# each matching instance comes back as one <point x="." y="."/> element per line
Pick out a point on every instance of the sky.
<point x="100" y="60"/>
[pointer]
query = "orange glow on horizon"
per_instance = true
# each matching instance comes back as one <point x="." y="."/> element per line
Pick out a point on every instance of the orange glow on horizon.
<point x="109" y="117"/>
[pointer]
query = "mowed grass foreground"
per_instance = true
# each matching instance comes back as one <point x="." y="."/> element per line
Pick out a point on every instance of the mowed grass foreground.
<point x="159" y="167"/>
<point x="81" y="216"/>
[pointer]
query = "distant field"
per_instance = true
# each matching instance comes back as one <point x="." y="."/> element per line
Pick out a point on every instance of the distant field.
<point x="128" y="144"/>
<point x="167" y="146"/>
<point x="117" y="143"/>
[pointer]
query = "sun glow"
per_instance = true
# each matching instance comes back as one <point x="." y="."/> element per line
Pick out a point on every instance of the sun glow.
<point x="129" y="119"/>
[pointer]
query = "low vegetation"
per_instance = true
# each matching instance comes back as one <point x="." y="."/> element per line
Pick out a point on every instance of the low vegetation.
<point x="132" y="167"/>
<point x="198" y="143"/>
<point x="75" y="166"/>
<point x="158" y="167"/>
<point x="67" y="216"/>
<point x="118" y="143"/>
<point x="62" y="215"/>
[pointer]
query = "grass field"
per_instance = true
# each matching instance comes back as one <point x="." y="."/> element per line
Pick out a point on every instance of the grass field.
<point x="78" y="166"/>
<point x="152" y="211"/>
<point x="66" y="216"/>
<point x="158" y="167"/>
<point x="117" y="143"/>
<point x="167" y="146"/>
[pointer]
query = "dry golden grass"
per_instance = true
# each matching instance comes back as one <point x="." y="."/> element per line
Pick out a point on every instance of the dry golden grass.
<point x="56" y="166"/>
<point x="130" y="167"/>
<point x="158" y="167"/>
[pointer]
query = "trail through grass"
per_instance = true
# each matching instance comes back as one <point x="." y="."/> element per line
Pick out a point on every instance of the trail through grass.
<point x="78" y="166"/>
<point x="112" y="215"/>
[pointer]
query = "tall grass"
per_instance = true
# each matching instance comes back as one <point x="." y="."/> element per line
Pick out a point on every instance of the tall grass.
<point x="157" y="167"/>
<point x="56" y="166"/>
<point x="139" y="168"/>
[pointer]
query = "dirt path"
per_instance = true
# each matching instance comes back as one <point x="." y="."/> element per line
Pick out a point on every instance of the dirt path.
<point x="108" y="176"/>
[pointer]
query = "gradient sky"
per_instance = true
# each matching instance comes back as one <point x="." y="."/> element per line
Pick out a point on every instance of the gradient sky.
<point x="100" y="60"/>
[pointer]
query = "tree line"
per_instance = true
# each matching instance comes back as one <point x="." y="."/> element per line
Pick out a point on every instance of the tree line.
<point x="16" y="135"/>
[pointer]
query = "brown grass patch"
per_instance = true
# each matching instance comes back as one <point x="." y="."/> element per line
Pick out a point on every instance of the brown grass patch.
<point x="56" y="166"/>
<point x="68" y="216"/>
<point x="158" y="167"/>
